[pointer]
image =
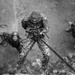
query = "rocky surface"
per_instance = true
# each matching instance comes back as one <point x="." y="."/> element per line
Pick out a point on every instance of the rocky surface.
<point x="57" y="12"/>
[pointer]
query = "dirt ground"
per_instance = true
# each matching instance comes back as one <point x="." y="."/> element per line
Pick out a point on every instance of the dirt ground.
<point x="57" y="13"/>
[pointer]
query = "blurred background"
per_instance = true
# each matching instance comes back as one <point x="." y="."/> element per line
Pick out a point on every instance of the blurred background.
<point x="58" y="12"/>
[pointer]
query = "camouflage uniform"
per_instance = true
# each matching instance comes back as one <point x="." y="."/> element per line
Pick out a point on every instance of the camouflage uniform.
<point x="35" y="27"/>
<point x="13" y="39"/>
<point x="71" y="29"/>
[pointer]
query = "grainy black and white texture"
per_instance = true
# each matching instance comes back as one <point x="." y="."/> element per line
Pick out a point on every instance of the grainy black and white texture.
<point x="57" y="13"/>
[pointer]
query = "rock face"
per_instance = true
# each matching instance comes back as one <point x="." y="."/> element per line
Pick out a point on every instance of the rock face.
<point x="6" y="12"/>
<point x="57" y="12"/>
<point x="7" y="17"/>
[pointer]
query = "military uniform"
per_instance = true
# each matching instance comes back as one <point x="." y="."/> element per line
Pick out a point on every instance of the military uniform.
<point x="35" y="31"/>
